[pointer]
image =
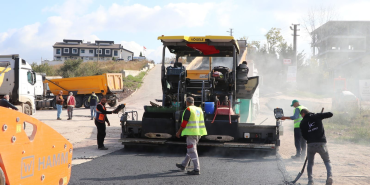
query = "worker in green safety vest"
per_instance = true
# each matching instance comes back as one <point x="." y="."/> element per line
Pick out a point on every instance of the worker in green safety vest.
<point x="193" y="128"/>
<point x="299" y="141"/>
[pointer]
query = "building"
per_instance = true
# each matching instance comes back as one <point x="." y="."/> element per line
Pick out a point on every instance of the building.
<point x="342" y="46"/>
<point x="100" y="50"/>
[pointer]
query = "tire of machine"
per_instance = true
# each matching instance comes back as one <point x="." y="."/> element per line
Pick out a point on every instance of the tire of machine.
<point x="79" y="101"/>
<point x="85" y="102"/>
<point x="54" y="103"/>
<point x="2" y="177"/>
<point x="112" y="103"/>
<point x="27" y="109"/>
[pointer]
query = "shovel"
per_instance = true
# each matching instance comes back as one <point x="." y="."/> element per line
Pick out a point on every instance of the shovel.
<point x="305" y="162"/>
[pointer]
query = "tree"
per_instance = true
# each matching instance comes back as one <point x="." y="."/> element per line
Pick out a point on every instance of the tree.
<point x="43" y="68"/>
<point x="141" y="54"/>
<point x="316" y="17"/>
<point x="69" y="68"/>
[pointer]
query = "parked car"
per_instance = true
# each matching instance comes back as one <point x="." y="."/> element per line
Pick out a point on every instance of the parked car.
<point x="345" y="101"/>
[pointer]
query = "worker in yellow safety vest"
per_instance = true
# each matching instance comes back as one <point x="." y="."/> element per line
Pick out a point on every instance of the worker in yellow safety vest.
<point x="193" y="128"/>
<point x="300" y="143"/>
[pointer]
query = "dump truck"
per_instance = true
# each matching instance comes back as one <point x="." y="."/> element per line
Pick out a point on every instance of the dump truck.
<point x="31" y="152"/>
<point x="221" y="90"/>
<point x="108" y="85"/>
<point x="17" y="79"/>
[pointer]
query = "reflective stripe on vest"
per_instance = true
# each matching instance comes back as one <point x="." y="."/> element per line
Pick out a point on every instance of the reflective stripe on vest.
<point x="195" y="125"/>
<point x="297" y="122"/>
<point x="100" y="117"/>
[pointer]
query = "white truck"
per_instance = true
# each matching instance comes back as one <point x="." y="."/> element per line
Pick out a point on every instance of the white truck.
<point x="19" y="82"/>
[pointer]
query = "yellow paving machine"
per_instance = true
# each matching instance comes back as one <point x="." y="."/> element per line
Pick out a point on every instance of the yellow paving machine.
<point x="222" y="89"/>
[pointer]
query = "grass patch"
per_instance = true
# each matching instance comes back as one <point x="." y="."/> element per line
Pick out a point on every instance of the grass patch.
<point x="353" y="127"/>
<point x="133" y="82"/>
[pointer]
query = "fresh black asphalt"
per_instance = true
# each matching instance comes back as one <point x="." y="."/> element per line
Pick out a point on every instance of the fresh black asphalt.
<point x="143" y="165"/>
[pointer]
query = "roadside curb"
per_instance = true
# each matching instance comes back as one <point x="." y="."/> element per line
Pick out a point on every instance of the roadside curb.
<point x="146" y="73"/>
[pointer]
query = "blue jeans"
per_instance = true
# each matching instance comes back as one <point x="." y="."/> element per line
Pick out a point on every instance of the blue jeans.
<point x="93" y="111"/>
<point x="59" y="110"/>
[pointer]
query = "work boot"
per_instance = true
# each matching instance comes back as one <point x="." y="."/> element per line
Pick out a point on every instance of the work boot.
<point x="91" y="118"/>
<point x="310" y="183"/>
<point x="182" y="168"/>
<point x="103" y="148"/>
<point x="329" y="181"/>
<point x="69" y="119"/>
<point x="194" y="172"/>
<point x="296" y="157"/>
<point x="59" y="118"/>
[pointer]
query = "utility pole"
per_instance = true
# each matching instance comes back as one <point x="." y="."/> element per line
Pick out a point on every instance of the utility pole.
<point x="231" y="32"/>
<point x="295" y="30"/>
<point x="98" y="52"/>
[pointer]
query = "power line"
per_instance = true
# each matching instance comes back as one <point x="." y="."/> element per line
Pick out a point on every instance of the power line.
<point x="231" y="32"/>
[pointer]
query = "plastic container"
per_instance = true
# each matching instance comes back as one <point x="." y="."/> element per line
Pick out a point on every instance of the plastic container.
<point x="209" y="107"/>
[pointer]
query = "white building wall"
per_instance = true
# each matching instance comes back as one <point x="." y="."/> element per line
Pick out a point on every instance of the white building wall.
<point x="126" y="55"/>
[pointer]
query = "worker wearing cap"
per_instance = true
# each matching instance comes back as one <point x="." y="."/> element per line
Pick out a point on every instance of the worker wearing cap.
<point x="299" y="142"/>
<point x="193" y="128"/>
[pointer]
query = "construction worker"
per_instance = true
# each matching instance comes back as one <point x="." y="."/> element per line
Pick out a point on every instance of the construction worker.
<point x="59" y="102"/>
<point x="300" y="143"/>
<point x="100" y="119"/>
<point x="93" y="100"/>
<point x="71" y="103"/>
<point x="5" y="103"/>
<point x="193" y="128"/>
<point x="313" y="131"/>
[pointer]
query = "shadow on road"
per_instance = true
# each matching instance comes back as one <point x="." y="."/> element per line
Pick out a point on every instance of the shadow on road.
<point x="170" y="173"/>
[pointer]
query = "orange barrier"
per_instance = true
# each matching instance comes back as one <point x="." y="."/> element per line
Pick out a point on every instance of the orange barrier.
<point x="31" y="152"/>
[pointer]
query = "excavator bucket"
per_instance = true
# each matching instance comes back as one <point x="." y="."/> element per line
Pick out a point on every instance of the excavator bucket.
<point x="31" y="152"/>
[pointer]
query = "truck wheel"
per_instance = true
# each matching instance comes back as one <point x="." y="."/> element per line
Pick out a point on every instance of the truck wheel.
<point x="85" y="102"/>
<point x="2" y="177"/>
<point x="27" y="109"/>
<point x="79" y="101"/>
<point x="54" y="104"/>
<point x="113" y="103"/>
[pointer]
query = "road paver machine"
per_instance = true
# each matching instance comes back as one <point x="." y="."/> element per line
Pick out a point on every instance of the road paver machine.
<point x="217" y="91"/>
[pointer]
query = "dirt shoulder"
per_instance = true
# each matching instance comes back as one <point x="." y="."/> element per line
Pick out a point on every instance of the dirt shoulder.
<point x="350" y="161"/>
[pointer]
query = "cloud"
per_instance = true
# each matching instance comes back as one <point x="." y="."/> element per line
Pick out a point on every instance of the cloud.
<point x="72" y="20"/>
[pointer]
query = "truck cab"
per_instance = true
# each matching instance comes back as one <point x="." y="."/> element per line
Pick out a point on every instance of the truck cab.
<point x="19" y="82"/>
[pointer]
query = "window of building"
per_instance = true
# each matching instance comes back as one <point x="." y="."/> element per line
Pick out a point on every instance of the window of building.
<point x="57" y="51"/>
<point x="115" y="53"/>
<point x="58" y="58"/>
<point x="107" y="51"/>
<point x="82" y="51"/>
<point x="91" y="58"/>
<point x="74" y="50"/>
<point x="66" y="50"/>
<point x="98" y="51"/>
<point x="91" y="51"/>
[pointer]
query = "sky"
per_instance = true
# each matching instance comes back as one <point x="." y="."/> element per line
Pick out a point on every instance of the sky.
<point x="30" y="28"/>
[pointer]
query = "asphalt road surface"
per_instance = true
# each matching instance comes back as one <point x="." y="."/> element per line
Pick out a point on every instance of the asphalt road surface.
<point x="157" y="165"/>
